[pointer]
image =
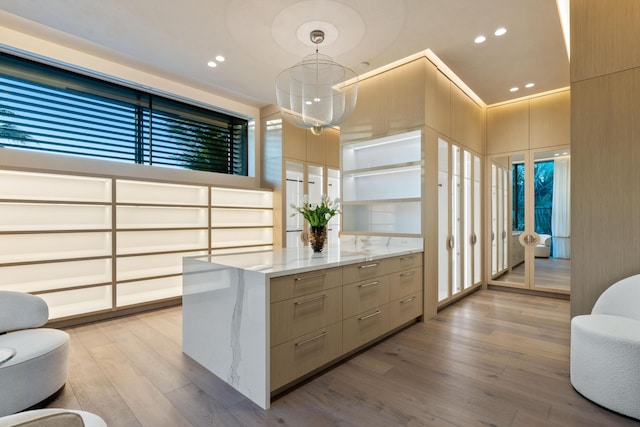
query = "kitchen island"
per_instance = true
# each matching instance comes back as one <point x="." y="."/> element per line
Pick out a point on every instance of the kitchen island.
<point x="263" y="320"/>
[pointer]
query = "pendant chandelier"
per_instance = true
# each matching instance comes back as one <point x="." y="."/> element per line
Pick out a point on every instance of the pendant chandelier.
<point x="316" y="92"/>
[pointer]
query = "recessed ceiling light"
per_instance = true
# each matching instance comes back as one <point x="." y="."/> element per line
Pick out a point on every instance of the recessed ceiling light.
<point x="500" y="31"/>
<point x="480" y="39"/>
<point x="220" y="58"/>
<point x="556" y="154"/>
<point x="528" y="85"/>
<point x="212" y="64"/>
<point x="308" y="102"/>
<point x="514" y="89"/>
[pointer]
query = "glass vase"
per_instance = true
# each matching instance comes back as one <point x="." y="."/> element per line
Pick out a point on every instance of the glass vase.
<point x="317" y="237"/>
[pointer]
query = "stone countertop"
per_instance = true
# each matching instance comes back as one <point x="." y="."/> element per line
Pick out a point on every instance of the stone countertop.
<point x="285" y="261"/>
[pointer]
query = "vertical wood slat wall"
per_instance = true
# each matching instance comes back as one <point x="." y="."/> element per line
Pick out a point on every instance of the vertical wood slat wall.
<point x="605" y="147"/>
<point x="91" y="244"/>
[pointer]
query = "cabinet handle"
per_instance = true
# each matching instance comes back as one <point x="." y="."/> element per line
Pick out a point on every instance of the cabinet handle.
<point x="474" y="239"/>
<point x="310" y="277"/>
<point x="369" y="316"/>
<point x="408" y="273"/>
<point x="407" y="300"/>
<point x="310" y="339"/>
<point x="321" y="297"/>
<point x="366" y="285"/>
<point x="368" y="266"/>
<point x="406" y="258"/>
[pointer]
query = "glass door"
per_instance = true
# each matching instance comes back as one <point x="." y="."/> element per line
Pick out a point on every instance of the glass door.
<point x="552" y="224"/>
<point x="508" y="214"/>
<point x="459" y="206"/>
<point x="530" y="195"/>
<point x="294" y="193"/>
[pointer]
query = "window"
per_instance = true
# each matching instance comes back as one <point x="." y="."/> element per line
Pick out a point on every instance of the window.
<point x="49" y="109"/>
<point x="543" y="191"/>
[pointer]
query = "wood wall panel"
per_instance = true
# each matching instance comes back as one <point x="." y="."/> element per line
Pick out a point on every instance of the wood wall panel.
<point x="316" y="146"/>
<point x="508" y="127"/>
<point x="550" y="120"/>
<point x="438" y="100"/>
<point x="362" y="123"/>
<point x="332" y="148"/>
<point x="605" y="174"/>
<point x="406" y="86"/>
<point x="604" y="37"/>
<point x="294" y="145"/>
<point x="466" y="120"/>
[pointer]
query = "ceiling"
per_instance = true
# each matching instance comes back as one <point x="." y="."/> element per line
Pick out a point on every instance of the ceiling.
<point x="260" y="38"/>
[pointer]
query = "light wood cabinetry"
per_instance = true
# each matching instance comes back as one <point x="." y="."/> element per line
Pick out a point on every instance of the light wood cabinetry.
<point x="550" y="120"/>
<point x="438" y="100"/>
<point x="536" y="122"/>
<point x="508" y="127"/>
<point x="387" y="292"/>
<point x="320" y="316"/>
<point x="467" y="120"/>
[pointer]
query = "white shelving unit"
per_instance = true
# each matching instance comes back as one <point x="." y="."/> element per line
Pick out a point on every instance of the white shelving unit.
<point x="90" y="244"/>
<point x="240" y="219"/>
<point x="56" y="239"/>
<point x="382" y="185"/>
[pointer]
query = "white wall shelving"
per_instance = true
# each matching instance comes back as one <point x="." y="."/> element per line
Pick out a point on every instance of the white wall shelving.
<point x="91" y="244"/>
<point x="382" y="185"/>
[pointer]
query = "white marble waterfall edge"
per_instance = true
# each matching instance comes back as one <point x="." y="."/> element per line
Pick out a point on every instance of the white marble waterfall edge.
<point x="225" y="325"/>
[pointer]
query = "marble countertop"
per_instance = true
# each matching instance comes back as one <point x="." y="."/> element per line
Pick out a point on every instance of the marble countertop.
<point x="284" y="261"/>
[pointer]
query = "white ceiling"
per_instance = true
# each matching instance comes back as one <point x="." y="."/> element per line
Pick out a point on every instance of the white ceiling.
<point x="175" y="39"/>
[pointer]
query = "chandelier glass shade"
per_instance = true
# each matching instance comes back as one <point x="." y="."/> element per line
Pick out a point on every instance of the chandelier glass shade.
<point x="317" y="92"/>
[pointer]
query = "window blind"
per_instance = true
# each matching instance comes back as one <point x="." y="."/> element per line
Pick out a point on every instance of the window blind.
<point x="45" y="108"/>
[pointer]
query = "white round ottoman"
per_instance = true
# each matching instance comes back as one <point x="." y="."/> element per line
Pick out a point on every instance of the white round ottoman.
<point x="605" y="349"/>
<point x="38" y="369"/>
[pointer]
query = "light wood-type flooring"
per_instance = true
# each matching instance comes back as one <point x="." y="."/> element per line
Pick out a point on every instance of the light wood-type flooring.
<point x="493" y="359"/>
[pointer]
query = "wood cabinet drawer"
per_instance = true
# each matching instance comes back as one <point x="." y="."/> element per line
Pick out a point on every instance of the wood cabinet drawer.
<point x="405" y="282"/>
<point x="297" y="357"/>
<point x="365" y="270"/>
<point x="365" y="327"/>
<point x="297" y="316"/>
<point x="404" y="309"/>
<point x="286" y="287"/>
<point x="362" y="296"/>
<point x="405" y="262"/>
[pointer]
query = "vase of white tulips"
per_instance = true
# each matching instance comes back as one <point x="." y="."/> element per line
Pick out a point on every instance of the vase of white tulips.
<point x="318" y="216"/>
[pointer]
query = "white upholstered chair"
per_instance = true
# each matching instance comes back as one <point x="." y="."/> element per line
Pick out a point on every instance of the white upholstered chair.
<point x="543" y="248"/>
<point x="605" y="349"/>
<point x="33" y="360"/>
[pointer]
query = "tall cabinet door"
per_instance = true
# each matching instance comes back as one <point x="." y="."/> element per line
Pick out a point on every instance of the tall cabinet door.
<point x="530" y="227"/>
<point x="459" y="220"/>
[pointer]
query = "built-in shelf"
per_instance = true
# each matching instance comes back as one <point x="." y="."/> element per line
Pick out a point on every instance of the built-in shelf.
<point x="91" y="244"/>
<point x="382" y="185"/>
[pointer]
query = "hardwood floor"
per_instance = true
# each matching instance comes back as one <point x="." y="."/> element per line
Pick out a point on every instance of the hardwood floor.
<point x="493" y="359"/>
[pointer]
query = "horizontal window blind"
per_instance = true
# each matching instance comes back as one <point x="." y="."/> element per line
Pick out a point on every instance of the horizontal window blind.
<point x="48" y="109"/>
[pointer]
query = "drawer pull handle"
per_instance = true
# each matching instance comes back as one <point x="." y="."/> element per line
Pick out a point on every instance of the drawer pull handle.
<point x="321" y="297"/>
<point x="368" y="266"/>
<point x="310" y="339"/>
<point x="369" y="316"/>
<point x="310" y="277"/>
<point x="366" y="285"/>
<point x="406" y="258"/>
<point x="408" y="273"/>
<point x="407" y="300"/>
